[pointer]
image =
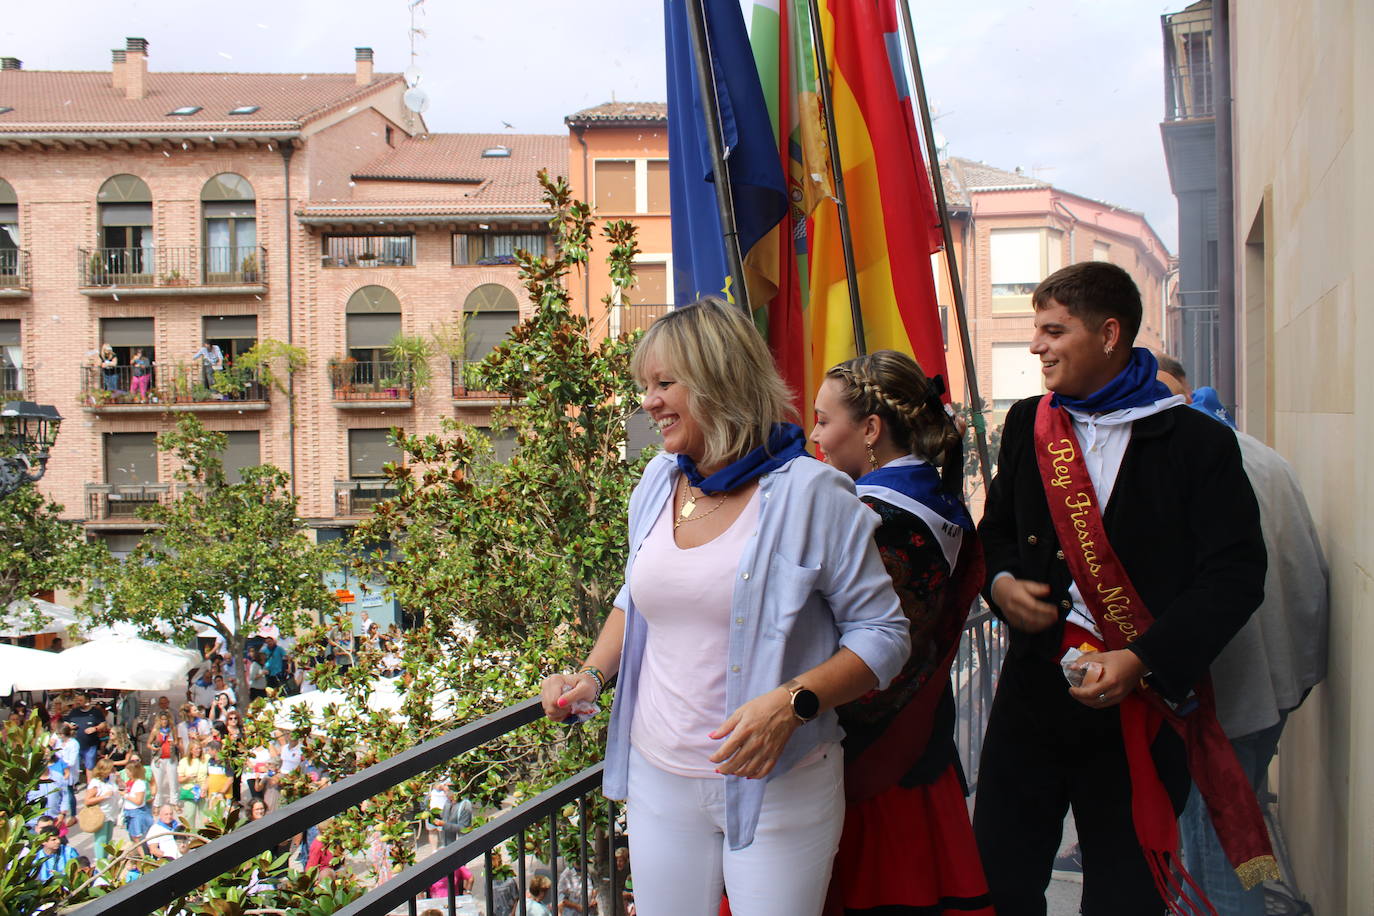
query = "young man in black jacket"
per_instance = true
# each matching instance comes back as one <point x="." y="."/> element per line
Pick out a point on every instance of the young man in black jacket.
<point x="1183" y="521"/>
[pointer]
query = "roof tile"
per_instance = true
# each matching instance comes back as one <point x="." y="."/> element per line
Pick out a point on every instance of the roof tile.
<point x="621" y="113"/>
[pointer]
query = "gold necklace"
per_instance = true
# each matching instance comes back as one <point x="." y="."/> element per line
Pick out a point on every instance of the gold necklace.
<point x="689" y="505"/>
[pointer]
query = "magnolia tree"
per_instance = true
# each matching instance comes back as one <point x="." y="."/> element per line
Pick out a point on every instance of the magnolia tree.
<point x="39" y="552"/>
<point x="512" y="564"/>
<point x="227" y="558"/>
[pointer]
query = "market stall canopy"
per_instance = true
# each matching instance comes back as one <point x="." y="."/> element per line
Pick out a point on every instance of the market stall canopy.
<point x="114" y="663"/>
<point x="19" y="619"/>
<point x="17" y="663"/>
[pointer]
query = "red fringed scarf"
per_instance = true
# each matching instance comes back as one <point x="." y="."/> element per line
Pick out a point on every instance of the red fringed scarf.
<point x="1121" y="615"/>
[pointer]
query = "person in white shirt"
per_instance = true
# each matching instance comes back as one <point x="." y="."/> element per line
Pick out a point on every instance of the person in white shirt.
<point x="161" y="838"/>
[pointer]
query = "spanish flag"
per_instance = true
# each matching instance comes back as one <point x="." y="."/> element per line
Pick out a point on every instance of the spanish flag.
<point x="891" y="204"/>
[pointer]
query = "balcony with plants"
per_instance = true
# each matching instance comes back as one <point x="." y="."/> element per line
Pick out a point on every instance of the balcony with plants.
<point x="242" y="386"/>
<point x="393" y="380"/>
<point x="187" y="270"/>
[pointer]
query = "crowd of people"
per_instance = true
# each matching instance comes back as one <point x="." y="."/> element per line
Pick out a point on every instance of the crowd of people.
<point x="783" y="725"/>
<point x="783" y="718"/>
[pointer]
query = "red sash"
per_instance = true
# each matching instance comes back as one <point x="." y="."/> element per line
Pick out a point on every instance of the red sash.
<point x="1122" y="617"/>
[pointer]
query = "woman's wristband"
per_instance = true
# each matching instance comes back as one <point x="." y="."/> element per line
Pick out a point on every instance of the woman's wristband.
<point x="596" y="675"/>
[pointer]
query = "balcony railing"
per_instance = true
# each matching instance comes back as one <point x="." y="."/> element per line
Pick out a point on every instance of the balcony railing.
<point x="465" y="385"/>
<point x="118" y="501"/>
<point x="368" y="251"/>
<point x="1194" y="334"/>
<point x="1188" y="91"/>
<point x="171" y="268"/>
<point x="624" y="319"/>
<point x="174" y="387"/>
<point x="14" y="268"/>
<point x="359" y="496"/>
<point x="17" y="384"/>
<point x="975" y="674"/>
<point x="359" y="380"/>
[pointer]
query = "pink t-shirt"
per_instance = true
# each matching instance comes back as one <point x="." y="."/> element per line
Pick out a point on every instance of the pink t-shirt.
<point x="685" y="595"/>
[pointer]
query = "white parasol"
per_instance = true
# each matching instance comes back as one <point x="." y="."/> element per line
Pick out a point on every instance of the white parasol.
<point x="114" y="663"/>
<point x="17" y="663"/>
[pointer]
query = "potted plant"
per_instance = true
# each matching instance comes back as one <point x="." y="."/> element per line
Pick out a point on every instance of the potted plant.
<point x="249" y="268"/>
<point x="95" y="269"/>
<point x="367" y="259"/>
<point x="341" y="375"/>
<point x="170" y="278"/>
<point x="410" y="356"/>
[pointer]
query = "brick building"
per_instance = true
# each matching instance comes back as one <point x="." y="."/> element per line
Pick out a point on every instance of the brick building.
<point x="158" y="211"/>
<point x="1010" y="232"/>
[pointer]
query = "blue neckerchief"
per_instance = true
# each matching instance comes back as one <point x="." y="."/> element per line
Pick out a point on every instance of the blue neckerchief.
<point x="785" y="442"/>
<point x="1134" y="386"/>
<point x="922" y="483"/>
<point x="1206" y="400"/>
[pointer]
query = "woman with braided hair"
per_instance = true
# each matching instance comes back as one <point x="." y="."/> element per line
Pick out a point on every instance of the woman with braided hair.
<point x="907" y="845"/>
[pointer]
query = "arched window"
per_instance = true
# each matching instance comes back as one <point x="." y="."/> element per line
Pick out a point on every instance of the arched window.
<point x="231" y="230"/>
<point x="489" y="313"/>
<point x="373" y="318"/>
<point x="126" y="228"/>
<point x="9" y="232"/>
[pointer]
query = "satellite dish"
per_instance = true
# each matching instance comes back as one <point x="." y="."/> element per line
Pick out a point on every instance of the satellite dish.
<point x="413" y="76"/>
<point x="417" y="100"/>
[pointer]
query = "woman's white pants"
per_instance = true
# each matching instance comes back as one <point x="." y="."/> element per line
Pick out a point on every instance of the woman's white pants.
<point x="680" y="859"/>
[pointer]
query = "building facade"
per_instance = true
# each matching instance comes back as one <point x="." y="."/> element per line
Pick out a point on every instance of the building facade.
<point x="1010" y="232"/>
<point x="1304" y="138"/>
<point x="148" y="218"/>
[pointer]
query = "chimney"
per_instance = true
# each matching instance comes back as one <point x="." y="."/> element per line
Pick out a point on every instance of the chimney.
<point x="11" y="63"/>
<point x="136" y="68"/>
<point x="363" y="58"/>
<point x="117" y="67"/>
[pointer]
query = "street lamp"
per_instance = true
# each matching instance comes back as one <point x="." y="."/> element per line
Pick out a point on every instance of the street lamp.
<point x="27" y="433"/>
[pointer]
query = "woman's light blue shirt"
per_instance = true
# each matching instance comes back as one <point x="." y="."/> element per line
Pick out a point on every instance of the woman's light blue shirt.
<point x="810" y="581"/>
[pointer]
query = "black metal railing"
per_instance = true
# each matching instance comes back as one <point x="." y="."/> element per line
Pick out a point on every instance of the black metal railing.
<point x="17" y="384"/>
<point x="115" y="501"/>
<point x="366" y="380"/>
<point x="977" y="663"/>
<point x="975" y="674"/>
<point x="368" y="251"/>
<point x="193" y="266"/>
<point x="360" y="495"/>
<point x="463" y="374"/>
<point x="14" y="268"/>
<point x="1188" y="90"/>
<point x="123" y="386"/>
<point x="181" y="877"/>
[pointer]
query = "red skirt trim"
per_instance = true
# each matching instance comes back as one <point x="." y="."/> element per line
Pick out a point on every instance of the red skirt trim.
<point x="910" y="851"/>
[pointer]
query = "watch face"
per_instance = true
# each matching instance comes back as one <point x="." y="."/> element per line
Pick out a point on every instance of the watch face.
<point x="806" y="704"/>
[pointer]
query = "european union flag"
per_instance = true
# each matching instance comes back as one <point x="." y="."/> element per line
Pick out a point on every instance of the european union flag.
<point x="756" y="177"/>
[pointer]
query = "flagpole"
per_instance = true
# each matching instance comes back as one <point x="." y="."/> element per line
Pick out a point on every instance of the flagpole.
<point x="956" y="287"/>
<point x="851" y="273"/>
<point x="725" y="204"/>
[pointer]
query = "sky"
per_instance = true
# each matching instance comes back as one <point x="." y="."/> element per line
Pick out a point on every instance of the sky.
<point x="1071" y="91"/>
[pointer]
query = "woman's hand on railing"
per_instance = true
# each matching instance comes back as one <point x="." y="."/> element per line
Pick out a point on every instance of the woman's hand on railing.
<point x="560" y="692"/>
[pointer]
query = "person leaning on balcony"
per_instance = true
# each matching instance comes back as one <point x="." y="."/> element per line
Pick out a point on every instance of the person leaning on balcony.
<point x="907" y="845"/>
<point x="109" y="368"/>
<point x="142" y="374"/>
<point x="1150" y="590"/>
<point x="755" y="603"/>
<point x="211" y="360"/>
<point x="1268" y="669"/>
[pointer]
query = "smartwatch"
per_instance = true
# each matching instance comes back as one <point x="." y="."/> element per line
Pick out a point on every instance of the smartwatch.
<point x="805" y="704"/>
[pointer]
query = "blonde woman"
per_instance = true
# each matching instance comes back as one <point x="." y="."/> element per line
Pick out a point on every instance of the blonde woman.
<point x="162" y="748"/>
<point x="103" y="790"/>
<point x="192" y="772"/>
<point x="755" y="603"/>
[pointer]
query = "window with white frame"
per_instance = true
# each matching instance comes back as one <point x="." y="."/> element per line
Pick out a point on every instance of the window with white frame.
<point x="1015" y="374"/>
<point x="1021" y="258"/>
